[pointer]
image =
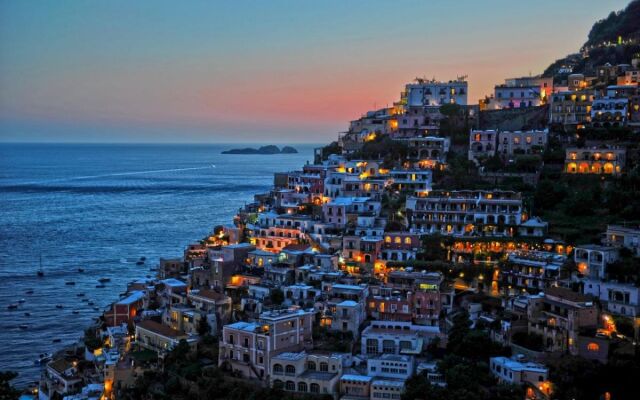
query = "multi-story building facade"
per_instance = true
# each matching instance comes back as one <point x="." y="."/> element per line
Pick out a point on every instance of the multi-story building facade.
<point x="592" y="260"/>
<point x="532" y="271"/>
<point x="559" y="316"/>
<point x="414" y="181"/>
<point x="315" y="374"/>
<point x="522" y="92"/>
<point x="522" y="142"/>
<point x="609" y="112"/>
<point x="248" y="347"/>
<point x="623" y="236"/>
<point x="435" y="93"/>
<point x="514" y="372"/>
<point x="465" y="212"/>
<point x="396" y="337"/>
<point x="571" y="109"/>
<point x="595" y="160"/>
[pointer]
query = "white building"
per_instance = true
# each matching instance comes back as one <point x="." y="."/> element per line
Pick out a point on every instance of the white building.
<point x="394" y="337"/>
<point x="622" y="236"/>
<point x="431" y="92"/>
<point x="393" y="366"/>
<point x="515" y="372"/>
<point x="617" y="298"/>
<point x="592" y="259"/>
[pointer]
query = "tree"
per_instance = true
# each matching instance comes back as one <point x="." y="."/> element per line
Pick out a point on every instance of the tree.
<point x="276" y="296"/>
<point x="203" y="326"/>
<point x="7" y="391"/>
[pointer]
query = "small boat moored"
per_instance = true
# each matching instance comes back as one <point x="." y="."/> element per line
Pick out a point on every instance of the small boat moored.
<point x="75" y="312"/>
<point x="103" y="280"/>
<point x="44" y="357"/>
<point x="23" y="327"/>
<point x="80" y="269"/>
<point x="27" y="314"/>
<point x="12" y="306"/>
<point x="58" y="305"/>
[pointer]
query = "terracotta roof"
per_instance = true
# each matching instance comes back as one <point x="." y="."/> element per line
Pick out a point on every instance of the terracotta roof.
<point x="210" y="294"/>
<point x="153" y="326"/>
<point x="567" y="294"/>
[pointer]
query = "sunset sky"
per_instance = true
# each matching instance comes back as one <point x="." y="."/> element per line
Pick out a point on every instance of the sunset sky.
<point x="256" y="71"/>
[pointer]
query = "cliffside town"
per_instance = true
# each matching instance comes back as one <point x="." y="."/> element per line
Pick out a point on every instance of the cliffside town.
<point x="436" y="249"/>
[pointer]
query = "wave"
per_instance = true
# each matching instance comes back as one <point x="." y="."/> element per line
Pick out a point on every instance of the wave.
<point x="151" y="189"/>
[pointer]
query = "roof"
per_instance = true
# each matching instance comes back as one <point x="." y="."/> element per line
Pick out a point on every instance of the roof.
<point x="347" y="303"/>
<point x="567" y="294"/>
<point x="173" y="282"/>
<point x="520" y="366"/>
<point x="346" y="287"/>
<point x="288" y="356"/>
<point x="243" y="326"/>
<point x="157" y="328"/>
<point x="132" y="298"/>
<point x="359" y="378"/>
<point x="388" y="382"/>
<point x="60" y="366"/>
<point x="209" y="294"/>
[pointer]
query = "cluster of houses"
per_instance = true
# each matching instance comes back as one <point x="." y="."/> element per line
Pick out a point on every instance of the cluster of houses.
<point x="333" y="250"/>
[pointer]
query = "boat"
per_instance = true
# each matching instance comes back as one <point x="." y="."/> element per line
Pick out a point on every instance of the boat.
<point x="80" y="269"/>
<point x="40" y="270"/>
<point x="96" y="308"/>
<point x="103" y="280"/>
<point x="100" y="286"/>
<point x="23" y="327"/>
<point x="27" y="314"/>
<point x="58" y="305"/>
<point x="21" y="301"/>
<point x="75" y="312"/>
<point x="12" y="306"/>
<point x="43" y="358"/>
<point x="57" y="340"/>
<point x="143" y="258"/>
<point x="140" y="262"/>
<point x="80" y="294"/>
<point x="91" y="303"/>
<point x="29" y="291"/>
<point x="70" y="283"/>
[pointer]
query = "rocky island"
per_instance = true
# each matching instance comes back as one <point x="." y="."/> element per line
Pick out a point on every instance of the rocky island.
<point x="271" y="149"/>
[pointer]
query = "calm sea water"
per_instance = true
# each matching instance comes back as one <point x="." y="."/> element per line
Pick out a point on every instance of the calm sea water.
<point x="102" y="207"/>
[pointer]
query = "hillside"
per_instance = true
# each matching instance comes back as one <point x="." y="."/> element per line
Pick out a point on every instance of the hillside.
<point x="614" y="39"/>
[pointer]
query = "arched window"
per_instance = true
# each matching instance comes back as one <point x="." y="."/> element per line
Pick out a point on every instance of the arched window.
<point x="302" y="387"/>
<point x="593" y="347"/>
<point x="278" y="384"/>
<point x="407" y="240"/>
<point x="277" y="369"/>
<point x="387" y="239"/>
<point x="311" y="365"/>
<point x="608" y="168"/>
<point x="397" y="240"/>
<point x="315" y="388"/>
<point x="290" y="385"/>
<point x="290" y="369"/>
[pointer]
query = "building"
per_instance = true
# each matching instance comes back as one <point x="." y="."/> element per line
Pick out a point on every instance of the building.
<point x="592" y="260"/>
<point x="609" y="112"/>
<point x="436" y="93"/>
<point x="392" y="366"/>
<point x="387" y="389"/>
<point x="595" y="160"/>
<point x="355" y="387"/>
<point x="522" y="142"/>
<point x="465" y="212"/>
<point x="514" y="372"/>
<point x="559" y="317"/>
<point x="571" y="109"/>
<point x="61" y="378"/>
<point x="482" y="144"/>
<point x="126" y="309"/>
<point x="523" y="92"/>
<point x="531" y="271"/>
<point x="617" y="298"/>
<point x="248" y="347"/>
<point x="622" y="236"/>
<point x="306" y="373"/>
<point x="162" y="339"/>
<point x="414" y="181"/>
<point x="395" y="337"/>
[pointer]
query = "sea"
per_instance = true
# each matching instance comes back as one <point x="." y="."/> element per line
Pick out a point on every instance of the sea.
<point x="100" y="208"/>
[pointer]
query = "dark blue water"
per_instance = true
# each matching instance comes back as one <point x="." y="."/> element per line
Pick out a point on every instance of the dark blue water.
<point x="102" y="207"/>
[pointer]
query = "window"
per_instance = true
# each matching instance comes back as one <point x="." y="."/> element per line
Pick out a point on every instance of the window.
<point x="372" y="346"/>
<point x="302" y="387"/>
<point x="324" y="367"/>
<point x="314" y="388"/>
<point x="594" y="347"/>
<point x="290" y="369"/>
<point x="231" y="339"/>
<point x="290" y="386"/>
<point x="311" y="365"/>
<point x="277" y="369"/>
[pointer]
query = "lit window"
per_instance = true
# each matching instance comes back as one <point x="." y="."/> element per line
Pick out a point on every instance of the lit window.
<point x="593" y="347"/>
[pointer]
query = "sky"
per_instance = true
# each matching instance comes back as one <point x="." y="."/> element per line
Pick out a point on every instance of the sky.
<point x="256" y="71"/>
